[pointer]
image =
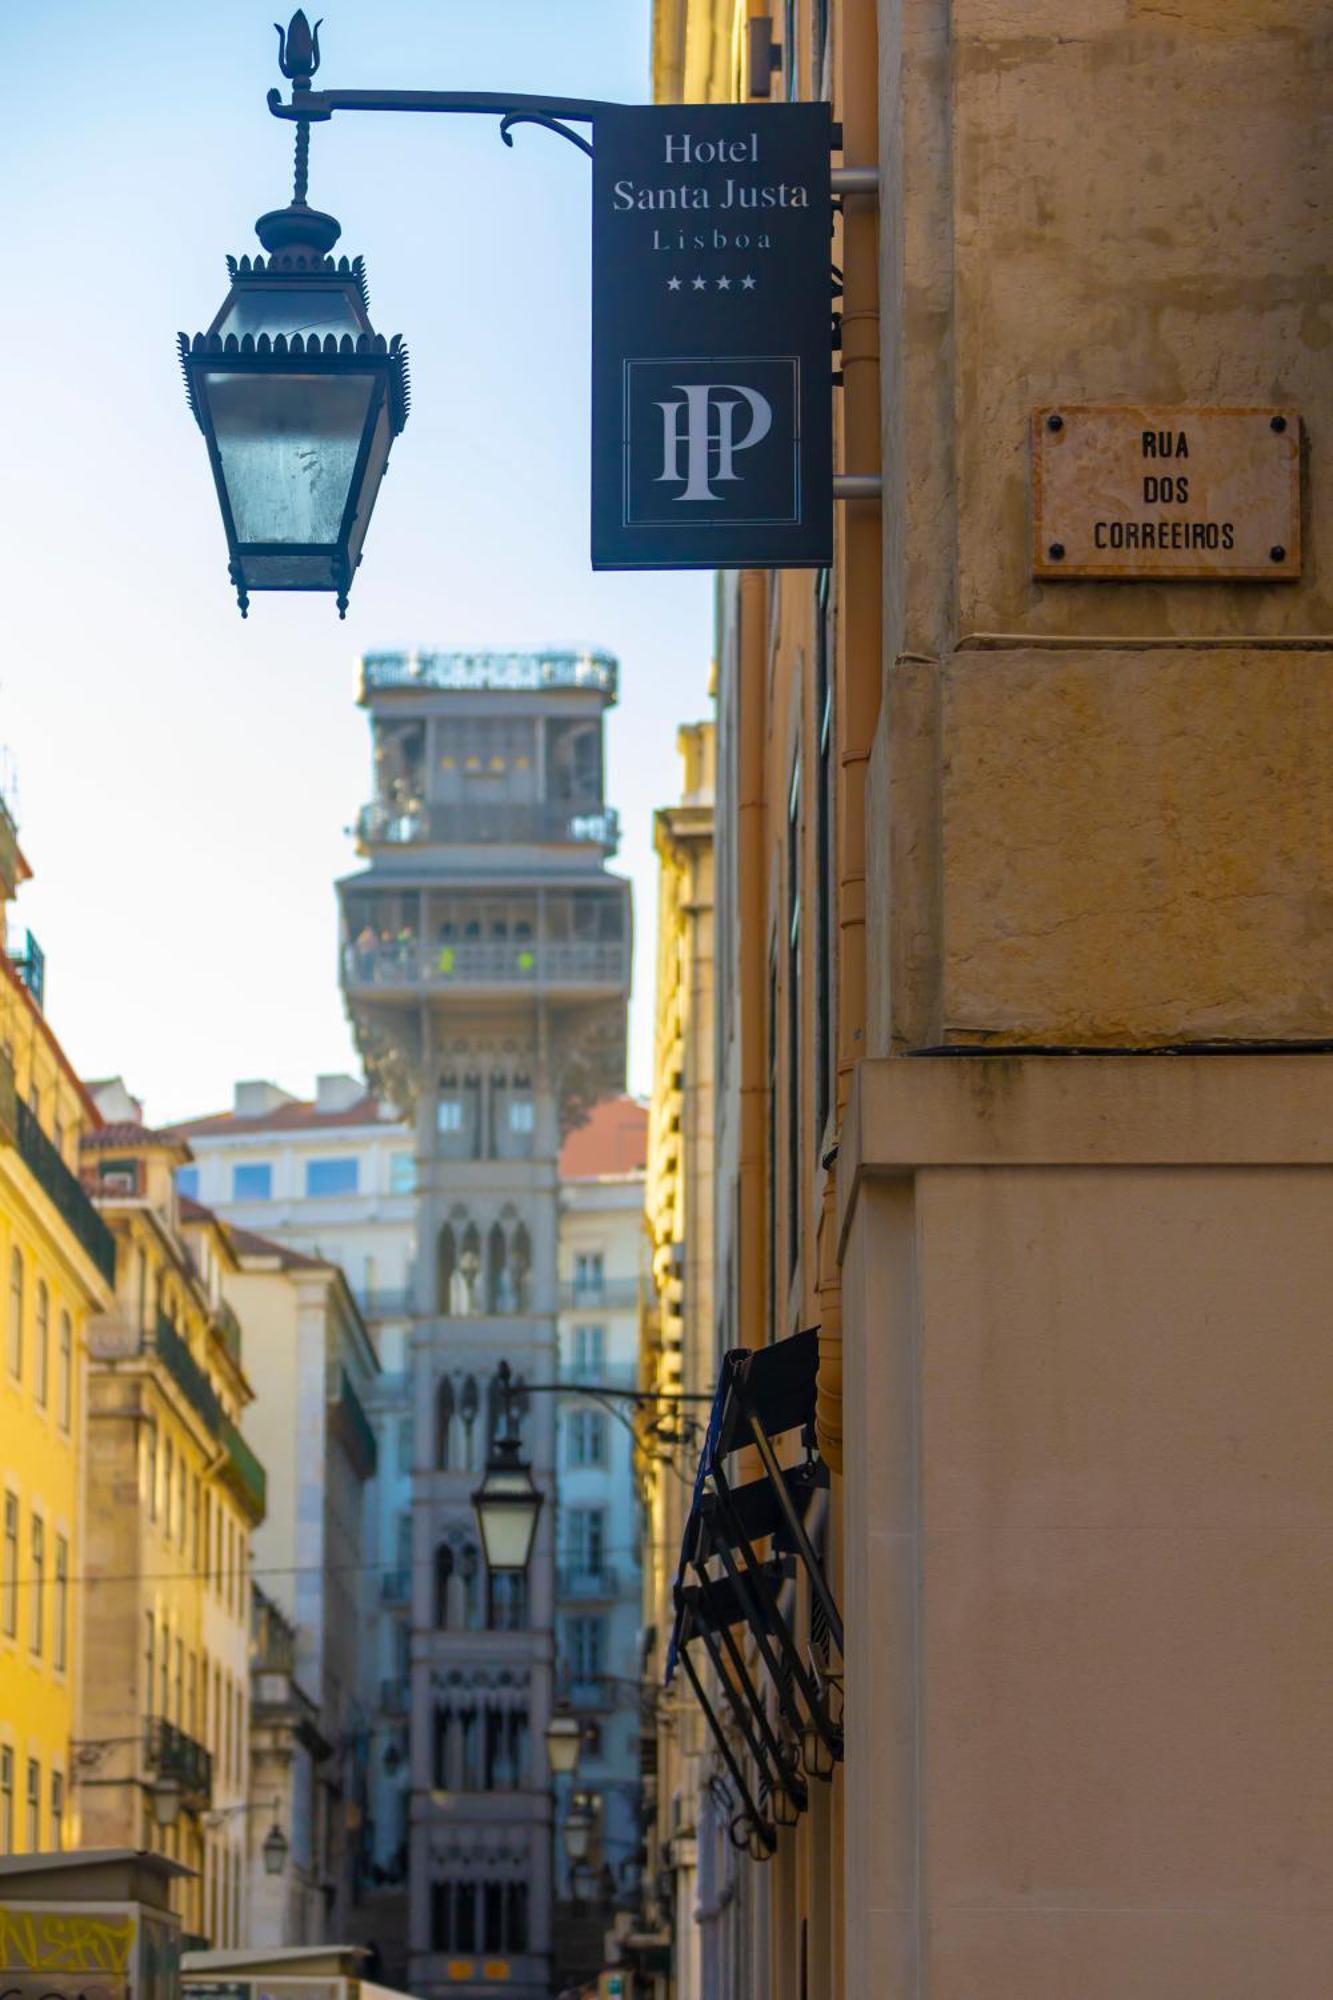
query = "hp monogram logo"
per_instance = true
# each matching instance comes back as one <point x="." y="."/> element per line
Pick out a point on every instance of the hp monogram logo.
<point x="700" y="428"/>
<point x="711" y="444"/>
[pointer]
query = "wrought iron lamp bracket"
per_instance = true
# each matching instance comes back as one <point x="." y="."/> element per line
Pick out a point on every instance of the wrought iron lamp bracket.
<point x="318" y="106"/>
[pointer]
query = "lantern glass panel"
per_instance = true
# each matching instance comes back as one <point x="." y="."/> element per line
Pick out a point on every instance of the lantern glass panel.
<point x="289" y="309"/>
<point x="288" y="445"/>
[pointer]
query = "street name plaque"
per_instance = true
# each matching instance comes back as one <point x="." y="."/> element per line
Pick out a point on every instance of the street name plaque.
<point x="1160" y="493"/>
<point x="712" y="405"/>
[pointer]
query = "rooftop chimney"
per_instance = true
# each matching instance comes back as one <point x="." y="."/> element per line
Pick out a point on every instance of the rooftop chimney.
<point x="256" y="1099"/>
<point x="337" y="1092"/>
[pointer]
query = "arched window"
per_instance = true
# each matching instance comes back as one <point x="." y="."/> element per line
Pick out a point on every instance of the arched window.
<point x="446" y="1261"/>
<point x="469" y="1268"/>
<point x="468" y="1405"/>
<point x="15" y="1345"/>
<point x="521" y="1262"/>
<point x="444" y="1419"/>
<point x="469" y="1569"/>
<point x="41" y="1364"/>
<point x="499" y="1290"/>
<point x="444" y="1569"/>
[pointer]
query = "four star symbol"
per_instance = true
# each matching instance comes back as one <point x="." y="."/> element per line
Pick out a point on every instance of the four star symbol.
<point x="747" y="284"/>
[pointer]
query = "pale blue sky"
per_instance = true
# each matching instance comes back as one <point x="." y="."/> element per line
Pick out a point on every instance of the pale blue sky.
<point x="184" y="779"/>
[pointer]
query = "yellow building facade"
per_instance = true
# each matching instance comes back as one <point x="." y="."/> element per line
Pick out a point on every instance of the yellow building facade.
<point x="57" y="1264"/>
<point x="162" y="1761"/>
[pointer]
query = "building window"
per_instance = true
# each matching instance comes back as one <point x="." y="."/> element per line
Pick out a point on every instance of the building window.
<point x="168" y="1489"/>
<point x="585" y="1539"/>
<point x="405" y="1431"/>
<point x="324" y="1177"/>
<point x="585" y="1639"/>
<point x="37" y="1582"/>
<point x="587" y="1437"/>
<point x="254" y="1183"/>
<point x="57" y="1810"/>
<point x="60" y="1608"/>
<point x="41" y="1359"/>
<point x="9" y="1571"/>
<point x="6" y="1799"/>
<point x="402" y="1174"/>
<point x="14" y="1345"/>
<point x="794" y="1025"/>
<point x="588" y="1274"/>
<point x="187" y="1182"/>
<point x="449" y="1115"/>
<point x="150" y="1469"/>
<point x="589" y="1351"/>
<point x="65" y="1374"/>
<point x="149" y="1649"/>
<point x="522" y="1115"/>
<point x="32" y="1829"/>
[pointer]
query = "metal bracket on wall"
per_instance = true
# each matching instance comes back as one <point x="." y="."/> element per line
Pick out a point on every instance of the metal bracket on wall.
<point x="857" y="486"/>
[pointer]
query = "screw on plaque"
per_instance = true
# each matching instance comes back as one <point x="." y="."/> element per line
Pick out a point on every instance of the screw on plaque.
<point x="1055" y="422"/>
<point x="1277" y="553"/>
<point x="1277" y="423"/>
<point x="1056" y="552"/>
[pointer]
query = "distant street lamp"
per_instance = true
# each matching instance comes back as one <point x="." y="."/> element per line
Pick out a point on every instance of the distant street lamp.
<point x="167" y="1795"/>
<point x="563" y="1742"/>
<point x="578" y="1833"/>
<point x="274" y="1850"/>
<point x="507" y="1503"/>
<point x="298" y="397"/>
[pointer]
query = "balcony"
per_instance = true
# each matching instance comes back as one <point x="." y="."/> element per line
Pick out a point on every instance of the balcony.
<point x="606" y="1295"/>
<point x="64" y="1189"/>
<point x="396" y="1586"/>
<point x="586" y="1584"/>
<point x="272" y="1637"/>
<point x="174" y="1353"/>
<point x="471" y="673"/>
<point x="173" y="1755"/>
<point x="492" y="823"/>
<point x="243" y="1473"/>
<point x="30" y="966"/>
<point x="354" y="1426"/>
<point x="489" y="962"/>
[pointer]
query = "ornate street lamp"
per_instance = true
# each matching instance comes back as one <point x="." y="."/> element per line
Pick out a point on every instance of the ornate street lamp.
<point x="562" y="1742"/>
<point x="298" y="397"/>
<point x="507" y="1503"/>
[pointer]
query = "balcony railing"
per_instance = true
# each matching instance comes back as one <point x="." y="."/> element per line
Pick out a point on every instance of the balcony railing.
<point x="229" y="1329"/>
<point x="173" y="1350"/>
<point x="272" y="1637"/>
<point x="357" y="1431"/>
<point x="492" y="823"/>
<point x="66" y="1191"/>
<point x="395" y="1586"/>
<point x="243" y="1473"/>
<point x="603" y="1375"/>
<point x="588" y="1584"/>
<point x="172" y="1754"/>
<point x="520" y="673"/>
<point x="384" y="1301"/>
<point x="488" y="962"/>
<point x="606" y="1295"/>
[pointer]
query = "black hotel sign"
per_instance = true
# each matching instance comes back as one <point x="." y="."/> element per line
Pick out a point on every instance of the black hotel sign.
<point x="712" y="406"/>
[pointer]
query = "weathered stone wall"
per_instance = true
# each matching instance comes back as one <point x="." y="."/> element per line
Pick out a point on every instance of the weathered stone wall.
<point x="1101" y="809"/>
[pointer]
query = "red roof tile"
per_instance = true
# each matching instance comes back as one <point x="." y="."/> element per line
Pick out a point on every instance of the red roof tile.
<point x="127" y="1136"/>
<point x="612" y="1140"/>
<point x="296" y="1117"/>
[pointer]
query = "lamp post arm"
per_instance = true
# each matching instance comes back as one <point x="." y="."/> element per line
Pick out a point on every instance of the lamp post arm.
<point x="512" y="108"/>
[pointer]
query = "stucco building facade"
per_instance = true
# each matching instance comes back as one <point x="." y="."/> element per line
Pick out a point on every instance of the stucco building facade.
<point x="1025" y="1008"/>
